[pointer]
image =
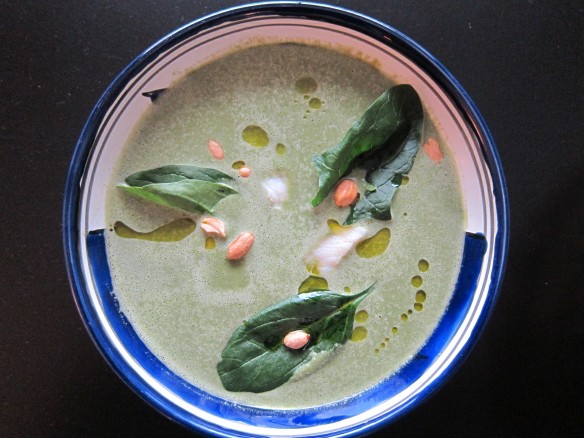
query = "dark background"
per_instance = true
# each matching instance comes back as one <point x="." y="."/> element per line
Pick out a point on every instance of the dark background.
<point x="521" y="61"/>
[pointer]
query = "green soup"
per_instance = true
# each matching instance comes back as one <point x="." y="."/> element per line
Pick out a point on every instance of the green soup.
<point x="185" y="300"/>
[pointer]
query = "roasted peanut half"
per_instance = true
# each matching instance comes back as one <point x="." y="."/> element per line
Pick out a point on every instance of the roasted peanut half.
<point x="215" y="149"/>
<point x="240" y="246"/>
<point x="432" y="149"/>
<point x="245" y="172"/>
<point x="346" y="193"/>
<point x="296" y="340"/>
<point x="213" y="227"/>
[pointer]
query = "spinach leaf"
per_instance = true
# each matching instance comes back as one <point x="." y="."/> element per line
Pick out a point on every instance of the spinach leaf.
<point x="190" y="188"/>
<point x="256" y="360"/>
<point x="385" y="180"/>
<point x="175" y="173"/>
<point x="382" y="127"/>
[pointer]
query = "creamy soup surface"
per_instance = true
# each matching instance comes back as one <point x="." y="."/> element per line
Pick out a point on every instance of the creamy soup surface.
<point x="185" y="300"/>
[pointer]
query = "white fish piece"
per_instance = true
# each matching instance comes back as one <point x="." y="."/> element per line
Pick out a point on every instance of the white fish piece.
<point x="332" y="249"/>
<point x="276" y="188"/>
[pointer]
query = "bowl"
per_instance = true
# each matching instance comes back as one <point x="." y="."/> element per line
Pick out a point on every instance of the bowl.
<point x="119" y="111"/>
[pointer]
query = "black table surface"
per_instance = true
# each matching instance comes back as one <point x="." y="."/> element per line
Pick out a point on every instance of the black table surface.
<point x="521" y="61"/>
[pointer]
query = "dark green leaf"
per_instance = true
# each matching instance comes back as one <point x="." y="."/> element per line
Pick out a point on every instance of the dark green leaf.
<point x="174" y="173"/>
<point x="256" y="360"/>
<point x="190" y="188"/>
<point x="383" y="126"/>
<point x="385" y="181"/>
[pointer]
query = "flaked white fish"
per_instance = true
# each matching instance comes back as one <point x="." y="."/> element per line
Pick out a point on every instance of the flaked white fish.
<point x="276" y="188"/>
<point x="332" y="249"/>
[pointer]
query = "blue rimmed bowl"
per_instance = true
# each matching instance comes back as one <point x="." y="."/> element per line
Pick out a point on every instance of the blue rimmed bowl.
<point x="120" y="109"/>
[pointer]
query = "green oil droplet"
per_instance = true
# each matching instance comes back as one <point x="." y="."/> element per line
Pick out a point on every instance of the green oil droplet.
<point x="416" y="281"/>
<point x="306" y="85"/>
<point x="306" y="97"/>
<point x="375" y="245"/>
<point x="238" y="164"/>
<point x="336" y="227"/>
<point x="280" y="149"/>
<point x="418" y="306"/>
<point x="394" y="330"/>
<point x="313" y="268"/>
<point x="386" y="339"/>
<point x="423" y="265"/>
<point x="359" y="334"/>
<point x="420" y="296"/>
<point x="210" y="243"/>
<point x="313" y="283"/>
<point x="361" y="316"/>
<point x="171" y="232"/>
<point x="410" y="311"/>
<point x="347" y="289"/>
<point x="255" y="136"/>
<point x="405" y="179"/>
<point x="315" y="103"/>
<point x="376" y="350"/>
<point x="404" y="317"/>
<point x="382" y="345"/>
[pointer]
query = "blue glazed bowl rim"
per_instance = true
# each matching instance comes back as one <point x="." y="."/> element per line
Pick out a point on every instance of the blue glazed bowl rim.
<point x="326" y="13"/>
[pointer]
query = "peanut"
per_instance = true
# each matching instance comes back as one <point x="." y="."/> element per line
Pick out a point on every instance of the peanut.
<point x="245" y="172"/>
<point x="215" y="149"/>
<point x="213" y="227"/>
<point x="346" y="193"/>
<point x="432" y="149"/>
<point x="296" y="339"/>
<point x="240" y="246"/>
